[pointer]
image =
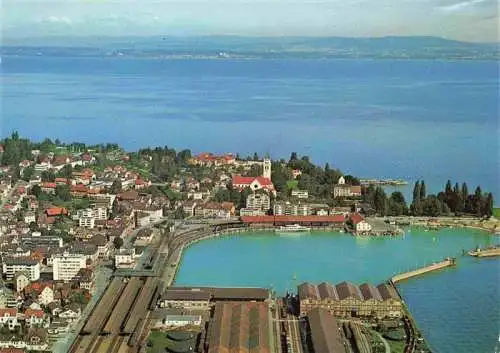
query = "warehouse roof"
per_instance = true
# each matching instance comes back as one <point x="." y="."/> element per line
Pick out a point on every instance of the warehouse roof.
<point x="325" y="335"/>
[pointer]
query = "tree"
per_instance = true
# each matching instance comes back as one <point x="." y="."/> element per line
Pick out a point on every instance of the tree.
<point x="117" y="242"/>
<point x="255" y="156"/>
<point x="351" y="180"/>
<point x="116" y="187"/>
<point x="422" y="190"/>
<point x="28" y="173"/>
<point x="48" y="175"/>
<point x="416" y="192"/>
<point x="66" y="171"/>
<point x="478" y="199"/>
<point x="293" y="156"/>
<point x="465" y="196"/>
<point x="36" y="190"/>
<point x="488" y="205"/>
<point x="63" y="192"/>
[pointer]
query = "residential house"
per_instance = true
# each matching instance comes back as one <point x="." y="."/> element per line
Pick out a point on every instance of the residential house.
<point x="360" y="226"/>
<point x="189" y="207"/>
<point x="21" y="280"/>
<point x="8" y="318"/>
<point x="34" y="318"/>
<point x="341" y="189"/>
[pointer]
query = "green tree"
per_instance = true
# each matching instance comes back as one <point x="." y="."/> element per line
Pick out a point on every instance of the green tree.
<point x="63" y="192"/>
<point x="66" y="171"/>
<point x="422" y="190"/>
<point x="116" y="187"/>
<point x="28" y="173"/>
<point x="48" y="175"/>
<point x="416" y="192"/>
<point x="465" y="197"/>
<point x="117" y="242"/>
<point x="293" y="157"/>
<point x="488" y="205"/>
<point x="255" y="156"/>
<point x="478" y="200"/>
<point x="36" y="190"/>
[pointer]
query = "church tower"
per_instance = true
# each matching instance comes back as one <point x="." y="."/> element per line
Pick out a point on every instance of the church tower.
<point x="267" y="168"/>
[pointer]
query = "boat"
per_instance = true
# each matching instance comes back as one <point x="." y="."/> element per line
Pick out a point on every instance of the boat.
<point x="293" y="228"/>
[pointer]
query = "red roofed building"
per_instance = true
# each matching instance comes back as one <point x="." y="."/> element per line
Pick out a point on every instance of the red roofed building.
<point x="334" y="220"/>
<point x="34" y="317"/>
<point x="209" y="159"/>
<point x="49" y="188"/>
<point x="8" y="316"/>
<point x="79" y="190"/>
<point x="359" y="224"/>
<point x="60" y="181"/>
<point x="254" y="183"/>
<point x="56" y="211"/>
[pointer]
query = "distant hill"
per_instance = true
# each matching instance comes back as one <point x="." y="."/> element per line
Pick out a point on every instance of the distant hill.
<point x="256" y="47"/>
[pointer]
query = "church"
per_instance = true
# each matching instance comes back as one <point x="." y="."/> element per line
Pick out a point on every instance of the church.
<point x="256" y="183"/>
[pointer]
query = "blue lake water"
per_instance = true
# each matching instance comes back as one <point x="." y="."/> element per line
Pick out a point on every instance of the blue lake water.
<point x="457" y="309"/>
<point x="374" y="118"/>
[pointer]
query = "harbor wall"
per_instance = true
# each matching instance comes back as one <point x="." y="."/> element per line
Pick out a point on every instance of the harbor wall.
<point x="420" y="271"/>
<point x="486" y="252"/>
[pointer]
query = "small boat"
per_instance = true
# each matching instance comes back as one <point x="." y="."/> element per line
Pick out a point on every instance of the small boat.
<point x="293" y="228"/>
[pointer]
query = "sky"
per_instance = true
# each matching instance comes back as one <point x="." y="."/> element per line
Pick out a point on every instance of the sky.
<point x="468" y="20"/>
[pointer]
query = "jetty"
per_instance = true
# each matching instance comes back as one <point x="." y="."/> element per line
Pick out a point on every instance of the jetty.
<point x="449" y="261"/>
<point x="490" y="252"/>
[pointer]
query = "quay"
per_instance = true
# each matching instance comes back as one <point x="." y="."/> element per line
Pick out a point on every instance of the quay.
<point x="491" y="252"/>
<point x="450" y="261"/>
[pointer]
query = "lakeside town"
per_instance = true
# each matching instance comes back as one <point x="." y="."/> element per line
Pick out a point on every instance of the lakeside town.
<point x="80" y="224"/>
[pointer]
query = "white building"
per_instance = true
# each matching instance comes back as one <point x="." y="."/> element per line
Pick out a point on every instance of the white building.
<point x="259" y="200"/>
<point x="66" y="266"/>
<point x="31" y="267"/>
<point x="125" y="258"/>
<point x="182" y="320"/>
<point x="291" y="209"/>
<point x="300" y="194"/>
<point x="46" y="296"/>
<point x="8" y="317"/>
<point x="267" y="168"/>
<point x="88" y="216"/>
<point x="29" y="217"/>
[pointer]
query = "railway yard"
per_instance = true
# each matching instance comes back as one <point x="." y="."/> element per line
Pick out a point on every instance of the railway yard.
<point x="118" y="321"/>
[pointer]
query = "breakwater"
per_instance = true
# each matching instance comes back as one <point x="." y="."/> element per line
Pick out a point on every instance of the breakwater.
<point x="420" y="271"/>
<point x="485" y="252"/>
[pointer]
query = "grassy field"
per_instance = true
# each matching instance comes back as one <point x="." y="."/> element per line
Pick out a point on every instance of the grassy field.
<point x="292" y="184"/>
<point x="496" y="212"/>
<point x="397" y="346"/>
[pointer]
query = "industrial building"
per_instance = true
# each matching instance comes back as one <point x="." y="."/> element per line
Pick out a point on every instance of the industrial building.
<point x="324" y="332"/>
<point x="239" y="327"/>
<point x="202" y="297"/>
<point x="346" y="299"/>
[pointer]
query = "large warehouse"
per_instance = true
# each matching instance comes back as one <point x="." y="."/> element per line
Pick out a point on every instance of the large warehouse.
<point x="346" y="299"/>
<point x="239" y="327"/>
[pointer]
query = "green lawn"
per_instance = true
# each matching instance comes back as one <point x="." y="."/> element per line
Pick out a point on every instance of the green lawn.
<point x="496" y="212"/>
<point x="397" y="346"/>
<point x="292" y="184"/>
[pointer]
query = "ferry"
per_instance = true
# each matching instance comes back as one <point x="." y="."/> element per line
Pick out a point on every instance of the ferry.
<point x="294" y="228"/>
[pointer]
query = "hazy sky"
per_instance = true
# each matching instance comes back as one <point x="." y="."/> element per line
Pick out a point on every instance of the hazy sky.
<point x="472" y="20"/>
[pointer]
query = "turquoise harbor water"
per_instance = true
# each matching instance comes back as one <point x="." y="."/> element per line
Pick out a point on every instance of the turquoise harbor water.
<point x="457" y="309"/>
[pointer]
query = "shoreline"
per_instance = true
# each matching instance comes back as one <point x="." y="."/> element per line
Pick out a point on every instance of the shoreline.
<point x="206" y="235"/>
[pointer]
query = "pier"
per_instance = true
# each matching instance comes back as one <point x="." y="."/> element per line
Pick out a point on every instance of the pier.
<point x="450" y="261"/>
<point x="491" y="252"/>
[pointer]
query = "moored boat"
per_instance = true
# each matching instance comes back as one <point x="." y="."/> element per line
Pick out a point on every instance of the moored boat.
<point x="293" y="228"/>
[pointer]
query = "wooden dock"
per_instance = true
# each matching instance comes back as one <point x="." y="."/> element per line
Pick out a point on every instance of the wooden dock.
<point x="450" y="261"/>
